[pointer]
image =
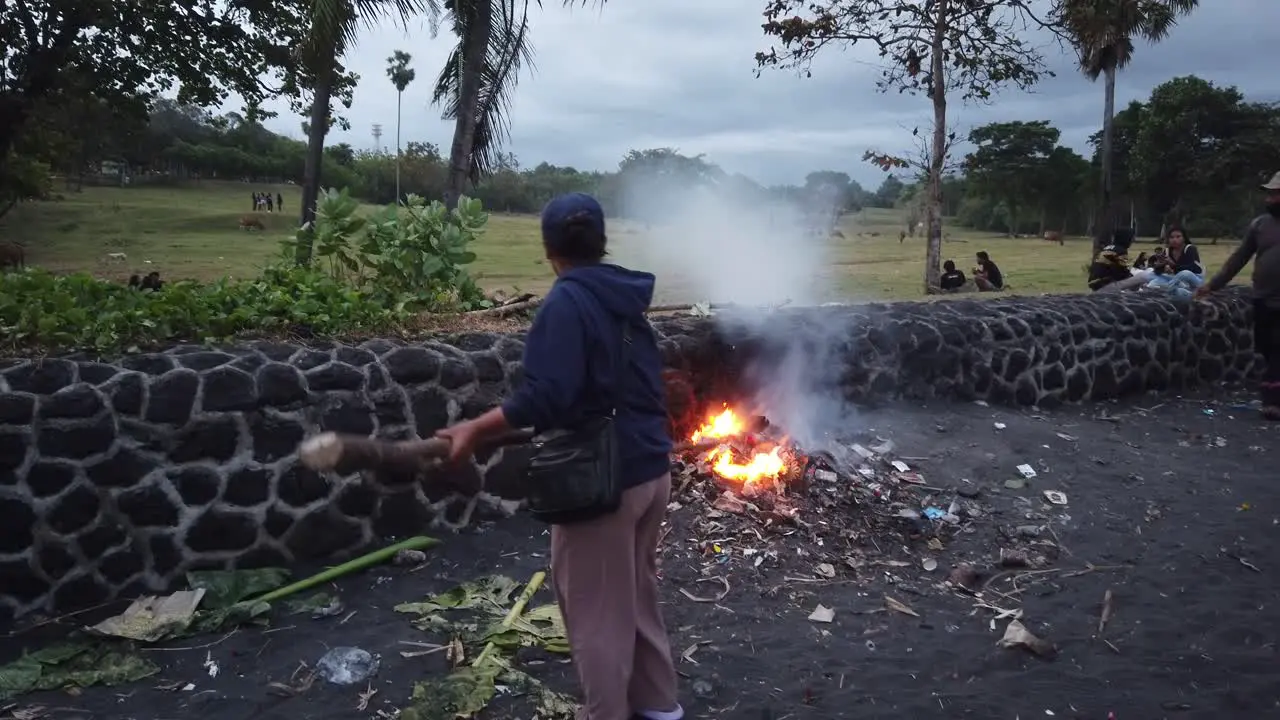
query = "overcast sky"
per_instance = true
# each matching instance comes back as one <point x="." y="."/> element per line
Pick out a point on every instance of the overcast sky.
<point x="679" y="73"/>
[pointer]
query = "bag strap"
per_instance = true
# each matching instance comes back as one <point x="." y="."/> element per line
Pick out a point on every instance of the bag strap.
<point x="622" y="363"/>
<point x="621" y="359"/>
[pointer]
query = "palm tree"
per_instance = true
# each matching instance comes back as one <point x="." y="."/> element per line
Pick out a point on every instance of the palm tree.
<point x="1103" y="32"/>
<point x="334" y="28"/>
<point x="480" y="75"/>
<point x="401" y="75"/>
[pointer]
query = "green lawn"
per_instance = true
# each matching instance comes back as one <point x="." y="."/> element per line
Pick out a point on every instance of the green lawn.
<point x="193" y="233"/>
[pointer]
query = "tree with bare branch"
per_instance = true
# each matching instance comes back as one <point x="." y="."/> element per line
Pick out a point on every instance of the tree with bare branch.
<point x="932" y="47"/>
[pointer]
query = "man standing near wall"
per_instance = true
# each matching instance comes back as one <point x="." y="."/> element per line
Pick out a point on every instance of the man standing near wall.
<point x="1262" y="240"/>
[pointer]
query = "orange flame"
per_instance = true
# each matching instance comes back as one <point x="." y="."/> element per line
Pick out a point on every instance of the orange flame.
<point x="724" y="461"/>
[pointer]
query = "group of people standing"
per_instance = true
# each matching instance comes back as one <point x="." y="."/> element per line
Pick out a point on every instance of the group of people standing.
<point x="264" y="201"/>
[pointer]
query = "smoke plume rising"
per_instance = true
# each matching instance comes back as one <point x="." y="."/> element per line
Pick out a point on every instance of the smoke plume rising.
<point x="723" y="244"/>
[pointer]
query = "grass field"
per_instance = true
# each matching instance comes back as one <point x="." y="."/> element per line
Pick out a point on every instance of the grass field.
<point x="193" y="233"/>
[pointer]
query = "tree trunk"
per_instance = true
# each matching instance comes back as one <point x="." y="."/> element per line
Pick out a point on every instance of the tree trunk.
<point x="318" y="126"/>
<point x="937" y="155"/>
<point x="399" y="99"/>
<point x="475" y="47"/>
<point x="1106" y="212"/>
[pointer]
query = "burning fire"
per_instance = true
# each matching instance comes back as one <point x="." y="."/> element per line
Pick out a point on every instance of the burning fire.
<point x="728" y="460"/>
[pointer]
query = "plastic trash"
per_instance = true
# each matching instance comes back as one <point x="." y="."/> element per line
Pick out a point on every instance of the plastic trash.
<point x="347" y="666"/>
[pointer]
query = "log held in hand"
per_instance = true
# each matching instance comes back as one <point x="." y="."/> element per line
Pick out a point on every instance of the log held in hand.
<point x="346" y="454"/>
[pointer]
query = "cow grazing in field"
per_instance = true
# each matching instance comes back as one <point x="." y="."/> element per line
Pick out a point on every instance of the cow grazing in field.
<point x="1054" y="236"/>
<point x="12" y="256"/>
<point x="251" y="222"/>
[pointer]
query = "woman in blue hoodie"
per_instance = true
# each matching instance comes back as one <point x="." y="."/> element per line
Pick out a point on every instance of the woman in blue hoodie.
<point x="605" y="571"/>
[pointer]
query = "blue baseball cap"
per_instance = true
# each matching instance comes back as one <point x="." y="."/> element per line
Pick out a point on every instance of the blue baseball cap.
<point x="576" y="206"/>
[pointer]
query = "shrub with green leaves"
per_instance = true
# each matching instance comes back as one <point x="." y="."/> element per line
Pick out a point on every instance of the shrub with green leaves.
<point x="414" y="254"/>
<point x="368" y="275"/>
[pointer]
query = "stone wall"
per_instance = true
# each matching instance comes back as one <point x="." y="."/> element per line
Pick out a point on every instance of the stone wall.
<point x="118" y="477"/>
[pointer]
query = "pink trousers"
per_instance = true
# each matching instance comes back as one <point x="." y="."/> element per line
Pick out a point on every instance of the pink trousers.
<point x="605" y="573"/>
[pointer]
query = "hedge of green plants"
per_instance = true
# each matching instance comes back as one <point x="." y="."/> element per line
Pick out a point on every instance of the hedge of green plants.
<point x="367" y="274"/>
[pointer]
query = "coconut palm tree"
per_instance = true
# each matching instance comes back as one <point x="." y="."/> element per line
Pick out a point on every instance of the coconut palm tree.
<point x="401" y="75"/>
<point x="480" y="76"/>
<point x="333" y="27"/>
<point x="1103" y="32"/>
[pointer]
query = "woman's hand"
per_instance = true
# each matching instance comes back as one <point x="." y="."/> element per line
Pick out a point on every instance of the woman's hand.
<point x="1203" y="292"/>
<point x="462" y="438"/>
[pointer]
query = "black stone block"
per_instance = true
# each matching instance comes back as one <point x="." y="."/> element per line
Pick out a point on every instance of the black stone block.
<point x="299" y="486"/>
<point x="215" y="438"/>
<point x="346" y="414"/>
<point x="20" y="581"/>
<point x="81" y="591"/>
<point x="75" y="401"/>
<point x="148" y="506"/>
<point x="17" y="525"/>
<point x="96" y="373"/>
<point x="16" y="408"/>
<point x="43" y="377"/>
<point x="96" y="541"/>
<point x="334" y="376"/>
<point x="227" y="388"/>
<point x="74" y="511"/>
<point x="196" y="485"/>
<point x="217" y="530"/>
<point x="13" y="449"/>
<point x="274" y="436"/>
<point x="247" y="487"/>
<point x="430" y="407"/>
<point x="123" y="468"/>
<point x="323" y="533"/>
<point x="120" y="565"/>
<point x="77" y="439"/>
<point x="358" y="357"/>
<point x="47" y="478"/>
<point x="172" y="397"/>
<point x="280" y="385"/>
<point x="205" y="360"/>
<point x="150" y="364"/>
<point x="127" y="393"/>
<point x="412" y="365"/>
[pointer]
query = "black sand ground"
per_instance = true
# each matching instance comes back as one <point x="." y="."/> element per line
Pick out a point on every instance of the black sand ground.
<point x="1180" y="493"/>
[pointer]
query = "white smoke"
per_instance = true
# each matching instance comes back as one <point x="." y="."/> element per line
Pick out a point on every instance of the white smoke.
<point x="726" y="245"/>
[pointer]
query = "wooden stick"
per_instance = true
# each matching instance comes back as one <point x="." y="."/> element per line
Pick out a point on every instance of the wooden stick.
<point x="1107" y="609"/>
<point x="346" y="454"/>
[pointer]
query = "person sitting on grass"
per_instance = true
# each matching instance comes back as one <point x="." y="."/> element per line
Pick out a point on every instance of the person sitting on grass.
<point x="987" y="275"/>
<point x="952" y="279"/>
<point x="1112" y="263"/>
<point x="1180" y="271"/>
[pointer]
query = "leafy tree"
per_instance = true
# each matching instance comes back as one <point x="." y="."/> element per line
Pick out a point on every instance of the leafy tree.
<point x="332" y="28"/>
<point x="1103" y="32"/>
<point x="128" y="51"/>
<point x="969" y="46"/>
<point x="886" y="196"/>
<point x="401" y="75"/>
<point x="1009" y="163"/>
<point x="1197" y="144"/>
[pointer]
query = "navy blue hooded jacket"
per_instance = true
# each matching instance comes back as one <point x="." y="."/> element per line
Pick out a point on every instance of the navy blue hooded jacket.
<point x="569" y="358"/>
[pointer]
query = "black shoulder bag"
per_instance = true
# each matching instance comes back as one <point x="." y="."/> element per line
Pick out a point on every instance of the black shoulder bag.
<point x="573" y="476"/>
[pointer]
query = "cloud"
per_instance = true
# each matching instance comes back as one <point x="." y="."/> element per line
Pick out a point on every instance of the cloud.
<point x="675" y="73"/>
